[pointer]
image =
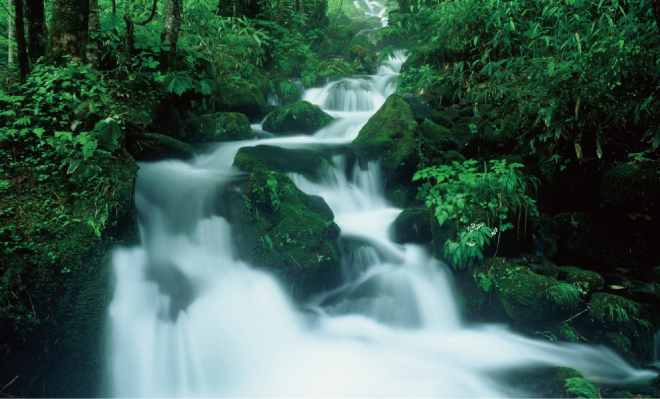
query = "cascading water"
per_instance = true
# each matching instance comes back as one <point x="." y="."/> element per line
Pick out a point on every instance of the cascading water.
<point x="188" y="319"/>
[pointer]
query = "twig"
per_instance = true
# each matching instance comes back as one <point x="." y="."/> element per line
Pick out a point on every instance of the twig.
<point x="566" y="321"/>
<point x="10" y="382"/>
<point x="295" y="261"/>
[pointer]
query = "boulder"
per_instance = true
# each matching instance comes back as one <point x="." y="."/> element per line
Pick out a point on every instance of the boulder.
<point x="239" y="95"/>
<point x="362" y="58"/>
<point x="221" y="126"/>
<point x="413" y="225"/>
<point x="283" y="92"/>
<point x="390" y="135"/>
<point x="279" y="228"/>
<point x="264" y="158"/>
<point x="591" y="281"/>
<point x="316" y="73"/>
<point x="157" y="147"/>
<point x="299" y="118"/>
<point x="435" y="140"/>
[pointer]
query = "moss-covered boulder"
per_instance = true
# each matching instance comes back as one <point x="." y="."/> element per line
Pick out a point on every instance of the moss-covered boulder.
<point x="282" y="229"/>
<point x="315" y="73"/>
<point x="239" y="95"/>
<point x="302" y="117"/>
<point x="436" y="139"/>
<point x="390" y="135"/>
<point x="263" y="158"/>
<point x="156" y="147"/>
<point x="363" y="59"/>
<point x="283" y="92"/>
<point x="622" y="325"/>
<point x="632" y="189"/>
<point x="413" y="225"/>
<point x="220" y="126"/>
<point x="589" y="280"/>
<point x="55" y="274"/>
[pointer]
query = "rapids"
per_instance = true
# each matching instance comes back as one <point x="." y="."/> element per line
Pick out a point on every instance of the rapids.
<point x="188" y="319"/>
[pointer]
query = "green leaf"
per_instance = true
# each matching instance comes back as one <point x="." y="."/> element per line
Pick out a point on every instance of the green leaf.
<point x="108" y="133"/>
<point x="178" y="83"/>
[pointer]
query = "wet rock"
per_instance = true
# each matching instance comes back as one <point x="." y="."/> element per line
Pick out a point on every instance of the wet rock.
<point x="301" y="117"/>
<point x="156" y="147"/>
<point x="264" y="158"/>
<point x="413" y="225"/>
<point x="589" y="280"/>
<point x="218" y="127"/>
<point x="316" y="73"/>
<point x="390" y="135"/>
<point x="282" y="92"/>
<point x="290" y="233"/>
<point x="435" y="140"/>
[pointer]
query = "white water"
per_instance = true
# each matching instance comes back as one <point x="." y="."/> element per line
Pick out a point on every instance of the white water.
<point x="190" y="320"/>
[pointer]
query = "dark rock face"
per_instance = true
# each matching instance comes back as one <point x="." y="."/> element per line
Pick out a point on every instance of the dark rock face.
<point x="299" y="118"/>
<point x="632" y="189"/>
<point x="412" y="226"/>
<point x="282" y="229"/>
<point x="218" y="127"/>
<point x="243" y="97"/>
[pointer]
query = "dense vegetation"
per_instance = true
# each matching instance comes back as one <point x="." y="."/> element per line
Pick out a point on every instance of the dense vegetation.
<point x="554" y="107"/>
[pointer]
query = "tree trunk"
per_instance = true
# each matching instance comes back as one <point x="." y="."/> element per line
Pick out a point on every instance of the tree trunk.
<point x="37" y="34"/>
<point x="11" y="35"/>
<point x="94" y="33"/>
<point x="171" y="32"/>
<point x="21" y="46"/>
<point x="68" y="35"/>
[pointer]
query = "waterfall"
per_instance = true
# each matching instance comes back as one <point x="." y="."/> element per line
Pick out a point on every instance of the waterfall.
<point x="189" y="319"/>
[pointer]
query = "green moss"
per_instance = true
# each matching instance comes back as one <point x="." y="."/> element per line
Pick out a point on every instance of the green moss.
<point x="555" y="385"/>
<point x="362" y="58"/>
<point x="221" y="126"/>
<point x="592" y="281"/>
<point x="648" y="389"/>
<point x="451" y="156"/>
<point x="315" y="72"/>
<point x="156" y="147"/>
<point x="280" y="228"/>
<point x="285" y="91"/>
<point x="301" y="117"/>
<point x="239" y="95"/>
<point x="264" y="158"/>
<point x="389" y="135"/>
<point x="412" y="225"/>
<point x="435" y="139"/>
<point x="621" y="324"/>
<point x="54" y="296"/>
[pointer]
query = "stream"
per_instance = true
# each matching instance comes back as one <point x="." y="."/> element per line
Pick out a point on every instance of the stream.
<point x="189" y="319"/>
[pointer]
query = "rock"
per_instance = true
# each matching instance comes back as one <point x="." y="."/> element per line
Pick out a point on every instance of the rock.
<point x="282" y="229"/>
<point x="390" y="135"/>
<point x="157" y="147"/>
<point x="55" y="295"/>
<point x="436" y="140"/>
<point x="591" y="281"/>
<point x="239" y="95"/>
<point x="422" y="110"/>
<point x="301" y="117"/>
<point x="264" y="158"/>
<point x="632" y="189"/>
<point x="412" y="226"/>
<point x="363" y="59"/>
<point x="221" y="126"/>
<point x="282" y="92"/>
<point x="449" y="157"/>
<point x="621" y="324"/>
<point x="315" y="73"/>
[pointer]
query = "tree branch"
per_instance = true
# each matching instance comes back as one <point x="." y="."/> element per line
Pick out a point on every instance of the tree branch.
<point x="153" y="12"/>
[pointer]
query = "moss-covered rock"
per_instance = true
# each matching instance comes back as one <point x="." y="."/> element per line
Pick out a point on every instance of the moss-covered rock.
<point x="156" y="147"/>
<point x="282" y="229"/>
<point x="54" y="292"/>
<point x="648" y="389"/>
<point x="591" y="281"/>
<point x="436" y="140"/>
<point x="362" y="58"/>
<point x="621" y="324"/>
<point x="239" y="95"/>
<point x="264" y="158"/>
<point x="283" y="92"/>
<point x="302" y="117"/>
<point x="221" y="126"/>
<point x="390" y="135"/>
<point x="412" y="225"/>
<point x="565" y="382"/>
<point x="632" y="189"/>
